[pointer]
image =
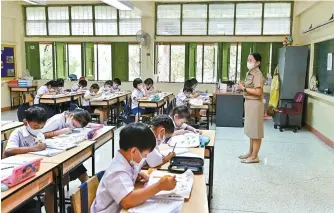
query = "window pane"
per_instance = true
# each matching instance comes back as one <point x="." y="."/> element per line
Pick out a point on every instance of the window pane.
<point x="46" y="62"/>
<point x="36" y="21"/>
<point x="239" y="63"/>
<point x="248" y="19"/>
<point x="199" y="60"/>
<point x="134" y="61"/>
<point x="163" y="62"/>
<point x="129" y="23"/>
<point x="105" y="20"/>
<point x="102" y="54"/>
<point x="74" y="59"/>
<point x="233" y="62"/>
<point x="221" y="19"/>
<point x="82" y="20"/>
<point x="209" y="60"/>
<point x="194" y="19"/>
<point x="276" y="18"/>
<point x="177" y="63"/>
<point x="168" y="19"/>
<point x="58" y="21"/>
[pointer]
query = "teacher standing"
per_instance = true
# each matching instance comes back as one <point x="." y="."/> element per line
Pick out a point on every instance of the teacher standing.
<point x="254" y="107"/>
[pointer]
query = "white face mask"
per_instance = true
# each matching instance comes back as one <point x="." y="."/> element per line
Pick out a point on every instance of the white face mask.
<point x="161" y="140"/>
<point x="250" y="66"/>
<point x="33" y="132"/>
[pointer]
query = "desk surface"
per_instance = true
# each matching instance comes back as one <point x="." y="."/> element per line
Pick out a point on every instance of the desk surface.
<point x="197" y="202"/>
<point x="8" y="125"/>
<point x="44" y="168"/>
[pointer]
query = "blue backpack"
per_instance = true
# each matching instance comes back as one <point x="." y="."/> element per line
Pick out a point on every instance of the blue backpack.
<point x="126" y="116"/>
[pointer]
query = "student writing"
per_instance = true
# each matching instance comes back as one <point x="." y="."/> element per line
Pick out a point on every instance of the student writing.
<point x="180" y="115"/>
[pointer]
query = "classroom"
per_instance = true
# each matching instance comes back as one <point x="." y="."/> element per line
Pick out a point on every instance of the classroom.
<point x="197" y="106"/>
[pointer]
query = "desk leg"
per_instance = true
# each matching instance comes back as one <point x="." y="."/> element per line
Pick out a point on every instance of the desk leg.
<point x="55" y="204"/>
<point x="211" y="167"/>
<point x="113" y="147"/>
<point x="11" y="100"/>
<point x="207" y="119"/>
<point x="93" y="162"/>
<point x="117" y="113"/>
<point x="61" y="190"/>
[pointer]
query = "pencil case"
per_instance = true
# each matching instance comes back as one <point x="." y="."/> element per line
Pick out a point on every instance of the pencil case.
<point x="179" y="164"/>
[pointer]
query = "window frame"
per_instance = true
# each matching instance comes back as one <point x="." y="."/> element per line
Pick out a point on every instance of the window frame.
<point x="214" y="74"/>
<point x="69" y="6"/>
<point x="234" y="18"/>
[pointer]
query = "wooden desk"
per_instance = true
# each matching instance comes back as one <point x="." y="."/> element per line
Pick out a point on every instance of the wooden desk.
<point x="16" y="196"/>
<point x="205" y="107"/>
<point x="197" y="203"/>
<point x="209" y="154"/>
<point x="21" y="91"/>
<point x="7" y="126"/>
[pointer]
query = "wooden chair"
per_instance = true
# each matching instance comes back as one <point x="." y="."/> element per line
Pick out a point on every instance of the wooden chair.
<point x="3" y="148"/>
<point x="82" y="199"/>
<point x="29" y="98"/>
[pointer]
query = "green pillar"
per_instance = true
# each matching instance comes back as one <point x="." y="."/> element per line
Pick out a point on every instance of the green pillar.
<point x="33" y="59"/>
<point x="120" y="60"/>
<point x="60" y="60"/>
<point x="89" y="60"/>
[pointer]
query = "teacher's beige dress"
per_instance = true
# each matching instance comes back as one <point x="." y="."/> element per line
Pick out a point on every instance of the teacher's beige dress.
<point x="254" y="107"/>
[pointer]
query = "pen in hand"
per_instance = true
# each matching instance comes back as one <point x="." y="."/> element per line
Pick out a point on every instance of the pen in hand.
<point x="174" y="147"/>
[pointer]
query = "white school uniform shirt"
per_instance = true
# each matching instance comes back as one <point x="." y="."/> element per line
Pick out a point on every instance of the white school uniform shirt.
<point x="154" y="158"/>
<point x="77" y="88"/>
<point x="20" y="137"/>
<point x="42" y="90"/>
<point x="117" y="182"/>
<point x="136" y="93"/>
<point x="83" y="101"/>
<point x="180" y="99"/>
<point x="56" y="122"/>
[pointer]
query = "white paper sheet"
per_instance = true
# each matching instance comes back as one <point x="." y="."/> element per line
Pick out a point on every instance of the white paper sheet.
<point x="159" y="206"/>
<point x="178" y="151"/>
<point x="187" y="140"/>
<point x="48" y="152"/>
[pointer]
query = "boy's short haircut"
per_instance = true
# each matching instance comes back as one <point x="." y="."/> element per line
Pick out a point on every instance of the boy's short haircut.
<point x="136" y="82"/>
<point x="165" y="121"/>
<point x="36" y="114"/>
<point x="83" y="83"/>
<point x="95" y="86"/>
<point x="82" y="116"/>
<point x="149" y="81"/>
<point x="60" y="82"/>
<point x="188" y="89"/>
<point x="52" y="83"/>
<point x="109" y="82"/>
<point x="117" y="81"/>
<point x="182" y="111"/>
<point x="194" y="81"/>
<point x="137" y="135"/>
<point x="187" y="83"/>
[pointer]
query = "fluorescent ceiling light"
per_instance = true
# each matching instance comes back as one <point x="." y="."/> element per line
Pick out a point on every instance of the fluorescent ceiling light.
<point x="121" y="5"/>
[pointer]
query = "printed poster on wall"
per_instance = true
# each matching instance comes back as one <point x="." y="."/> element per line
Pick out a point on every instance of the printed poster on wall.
<point x="7" y="61"/>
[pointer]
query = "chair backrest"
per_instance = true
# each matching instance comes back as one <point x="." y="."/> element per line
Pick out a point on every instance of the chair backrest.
<point x="297" y="106"/>
<point x="3" y="148"/>
<point x="83" y="198"/>
<point x="28" y="98"/>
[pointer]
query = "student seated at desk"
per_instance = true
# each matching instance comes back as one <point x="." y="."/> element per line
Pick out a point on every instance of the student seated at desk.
<point x="60" y="86"/>
<point x="27" y="139"/>
<point x="116" y="188"/>
<point x="162" y="127"/>
<point x="79" y="87"/>
<point x="194" y="84"/>
<point x="107" y="88"/>
<point x="116" y="85"/>
<point x="50" y="88"/>
<point x="183" y="98"/>
<point x="138" y="93"/>
<point x="149" y="87"/>
<point x="64" y="123"/>
<point x="93" y="92"/>
<point x="180" y="115"/>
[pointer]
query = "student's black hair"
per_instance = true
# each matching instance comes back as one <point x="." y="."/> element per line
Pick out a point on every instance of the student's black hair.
<point x="82" y="116"/>
<point x="36" y="114"/>
<point x="136" y="82"/>
<point x="117" y="81"/>
<point x="83" y="83"/>
<point x="52" y="83"/>
<point x="109" y="82"/>
<point x="95" y="86"/>
<point x="165" y="121"/>
<point x="187" y="83"/>
<point x="149" y="81"/>
<point x="193" y="81"/>
<point x="60" y="82"/>
<point x="257" y="57"/>
<point x="137" y="135"/>
<point x="188" y="89"/>
<point x="182" y="111"/>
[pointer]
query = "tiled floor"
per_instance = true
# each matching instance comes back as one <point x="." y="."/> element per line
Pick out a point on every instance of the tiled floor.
<point x="295" y="175"/>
